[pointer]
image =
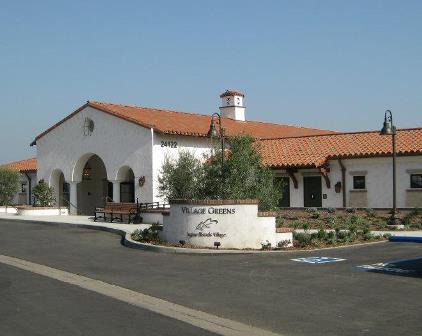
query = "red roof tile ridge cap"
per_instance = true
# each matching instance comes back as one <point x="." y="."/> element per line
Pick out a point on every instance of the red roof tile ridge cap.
<point x="337" y="134"/>
<point x="148" y="108"/>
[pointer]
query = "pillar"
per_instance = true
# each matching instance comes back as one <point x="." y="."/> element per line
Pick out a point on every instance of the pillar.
<point x="116" y="191"/>
<point x="73" y="197"/>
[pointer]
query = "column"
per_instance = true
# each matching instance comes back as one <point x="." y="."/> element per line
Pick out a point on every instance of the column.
<point x="116" y="191"/>
<point x="73" y="197"/>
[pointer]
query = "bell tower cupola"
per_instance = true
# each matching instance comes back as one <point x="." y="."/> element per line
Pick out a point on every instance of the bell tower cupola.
<point x="232" y="105"/>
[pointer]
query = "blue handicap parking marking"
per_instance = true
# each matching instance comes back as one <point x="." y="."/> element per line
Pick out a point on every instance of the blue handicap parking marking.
<point x="318" y="260"/>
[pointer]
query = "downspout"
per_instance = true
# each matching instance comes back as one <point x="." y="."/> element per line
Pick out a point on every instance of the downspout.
<point x="343" y="181"/>
<point x="29" y="188"/>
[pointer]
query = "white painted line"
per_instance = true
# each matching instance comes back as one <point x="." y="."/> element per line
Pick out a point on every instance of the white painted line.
<point x="317" y="260"/>
<point x="193" y="317"/>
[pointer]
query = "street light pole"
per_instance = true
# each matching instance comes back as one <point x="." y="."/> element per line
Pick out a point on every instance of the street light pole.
<point x="389" y="129"/>
<point x="212" y="133"/>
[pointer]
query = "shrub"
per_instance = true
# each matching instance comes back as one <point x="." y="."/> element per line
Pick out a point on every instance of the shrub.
<point x="296" y="224"/>
<point x="302" y="239"/>
<point x="322" y="234"/>
<point x="279" y="222"/>
<point x="331" y="210"/>
<point x="370" y="212"/>
<point x="331" y="221"/>
<point x="9" y="185"/>
<point x="148" y="235"/>
<point x="350" y="210"/>
<point x="366" y="229"/>
<point x="355" y="219"/>
<point x="283" y="243"/>
<point x="305" y="226"/>
<point x="387" y="235"/>
<point x="43" y="195"/>
<point x="316" y="215"/>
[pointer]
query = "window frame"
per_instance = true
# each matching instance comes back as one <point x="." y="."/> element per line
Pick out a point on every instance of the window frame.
<point x="412" y="185"/>
<point x="355" y="182"/>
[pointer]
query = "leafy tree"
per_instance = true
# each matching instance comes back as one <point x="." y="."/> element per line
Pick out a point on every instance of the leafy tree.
<point x="9" y="185"/>
<point x="243" y="177"/>
<point x="181" y="178"/>
<point x="43" y="194"/>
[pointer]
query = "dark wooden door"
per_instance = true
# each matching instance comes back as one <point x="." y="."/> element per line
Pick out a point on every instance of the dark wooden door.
<point x="127" y="192"/>
<point x="312" y="191"/>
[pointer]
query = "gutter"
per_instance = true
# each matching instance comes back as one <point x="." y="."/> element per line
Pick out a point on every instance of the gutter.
<point x="343" y="181"/>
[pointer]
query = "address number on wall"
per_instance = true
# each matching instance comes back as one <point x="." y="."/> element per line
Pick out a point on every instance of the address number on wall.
<point x="171" y="144"/>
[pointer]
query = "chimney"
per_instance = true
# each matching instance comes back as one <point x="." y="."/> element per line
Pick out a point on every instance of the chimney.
<point x="232" y="105"/>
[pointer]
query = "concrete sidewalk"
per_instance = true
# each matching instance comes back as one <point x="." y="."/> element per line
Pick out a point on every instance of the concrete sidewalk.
<point x="76" y="220"/>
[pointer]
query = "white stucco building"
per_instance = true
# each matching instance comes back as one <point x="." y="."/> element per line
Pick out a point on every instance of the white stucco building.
<point x="28" y="179"/>
<point x="116" y="151"/>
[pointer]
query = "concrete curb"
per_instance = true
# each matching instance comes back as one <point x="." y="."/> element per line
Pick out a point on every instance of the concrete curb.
<point x="130" y="243"/>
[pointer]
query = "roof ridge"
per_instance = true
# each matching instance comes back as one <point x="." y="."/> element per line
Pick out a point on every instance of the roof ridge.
<point x="337" y="134"/>
<point x="206" y="115"/>
<point x="149" y="108"/>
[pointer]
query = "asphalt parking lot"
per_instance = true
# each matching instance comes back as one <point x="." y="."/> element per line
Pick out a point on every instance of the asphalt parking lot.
<point x="375" y="290"/>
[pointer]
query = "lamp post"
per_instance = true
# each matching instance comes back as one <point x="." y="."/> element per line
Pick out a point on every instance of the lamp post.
<point x="212" y="133"/>
<point x="389" y="129"/>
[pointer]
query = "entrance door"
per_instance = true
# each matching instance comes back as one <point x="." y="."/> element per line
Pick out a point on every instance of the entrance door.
<point x="127" y="192"/>
<point x="312" y="191"/>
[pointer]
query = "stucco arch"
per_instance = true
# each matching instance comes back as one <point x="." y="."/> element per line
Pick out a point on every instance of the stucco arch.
<point x="125" y="174"/>
<point x="79" y="167"/>
<point x="57" y="182"/>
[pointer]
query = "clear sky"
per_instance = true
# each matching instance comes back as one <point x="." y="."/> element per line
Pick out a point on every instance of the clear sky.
<point x="327" y="64"/>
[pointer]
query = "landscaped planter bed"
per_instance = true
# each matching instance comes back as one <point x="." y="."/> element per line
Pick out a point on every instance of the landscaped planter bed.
<point x="374" y="220"/>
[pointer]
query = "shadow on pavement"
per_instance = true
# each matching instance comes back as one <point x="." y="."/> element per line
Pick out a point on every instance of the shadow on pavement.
<point x="407" y="268"/>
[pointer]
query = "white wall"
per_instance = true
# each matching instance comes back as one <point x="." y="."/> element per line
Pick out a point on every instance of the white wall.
<point x="199" y="146"/>
<point x="379" y="177"/>
<point x="117" y="142"/>
<point x="233" y="225"/>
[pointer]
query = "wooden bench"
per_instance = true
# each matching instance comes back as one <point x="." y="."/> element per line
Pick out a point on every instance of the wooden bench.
<point x="116" y="211"/>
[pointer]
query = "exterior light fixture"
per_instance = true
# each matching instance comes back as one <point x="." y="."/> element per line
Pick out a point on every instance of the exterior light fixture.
<point x="86" y="173"/>
<point x="389" y="129"/>
<point x="212" y="133"/>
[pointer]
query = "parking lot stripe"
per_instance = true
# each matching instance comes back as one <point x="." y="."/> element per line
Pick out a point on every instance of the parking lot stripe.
<point x="193" y="317"/>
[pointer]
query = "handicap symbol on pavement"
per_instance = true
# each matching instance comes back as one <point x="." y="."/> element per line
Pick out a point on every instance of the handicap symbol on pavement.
<point x="317" y="260"/>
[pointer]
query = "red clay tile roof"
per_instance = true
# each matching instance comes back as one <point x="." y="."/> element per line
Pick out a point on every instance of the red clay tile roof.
<point x="29" y="165"/>
<point x="314" y="151"/>
<point x="181" y="123"/>
<point x="231" y="93"/>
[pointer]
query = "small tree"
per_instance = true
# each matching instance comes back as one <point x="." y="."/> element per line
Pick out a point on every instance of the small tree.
<point x="181" y="177"/>
<point x="43" y="194"/>
<point x="9" y="185"/>
<point x="244" y="175"/>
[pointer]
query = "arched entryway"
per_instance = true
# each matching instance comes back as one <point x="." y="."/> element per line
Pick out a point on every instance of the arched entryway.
<point x="126" y="177"/>
<point x="93" y="187"/>
<point x="61" y="188"/>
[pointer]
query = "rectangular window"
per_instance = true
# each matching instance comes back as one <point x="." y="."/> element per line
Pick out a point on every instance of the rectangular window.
<point x="359" y="182"/>
<point x="23" y="187"/>
<point x="416" y="181"/>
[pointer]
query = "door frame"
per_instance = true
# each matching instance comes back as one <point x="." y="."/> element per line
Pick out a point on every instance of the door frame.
<point x="304" y="191"/>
